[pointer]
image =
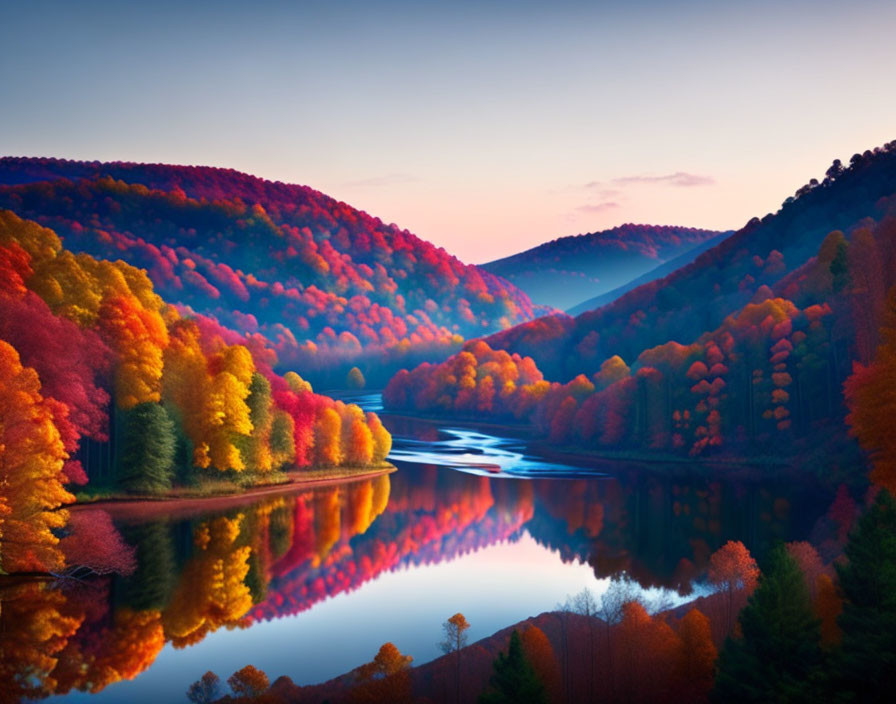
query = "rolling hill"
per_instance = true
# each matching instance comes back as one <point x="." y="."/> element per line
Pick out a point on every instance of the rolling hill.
<point x="564" y="272"/>
<point x="659" y="272"/>
<point x="329" y="286"/>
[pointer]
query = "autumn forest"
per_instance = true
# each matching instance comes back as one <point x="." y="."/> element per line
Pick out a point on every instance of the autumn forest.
<point x="605" y="416"/>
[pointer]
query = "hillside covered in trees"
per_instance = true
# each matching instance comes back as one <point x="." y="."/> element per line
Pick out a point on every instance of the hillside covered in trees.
<point x="107" y="385"/>
<point x="745" y="351"/>
<point x="566" y="271"/>
<point x="329" y="285"/>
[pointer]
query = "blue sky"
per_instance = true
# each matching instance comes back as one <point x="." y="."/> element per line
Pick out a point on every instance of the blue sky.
<point x="484" y="127"/>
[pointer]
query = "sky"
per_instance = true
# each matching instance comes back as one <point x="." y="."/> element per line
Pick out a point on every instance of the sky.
<point x="484" y="127"/>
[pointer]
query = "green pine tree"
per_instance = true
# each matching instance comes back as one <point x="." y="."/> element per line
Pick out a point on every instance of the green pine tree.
<point x="779" y="657"/>
<point x="146" y="462"/>
<point x="839" y="268"/>
<point x="151" y="586"/>
<point x="514" y="680"/>
<point x="864" y="667"/>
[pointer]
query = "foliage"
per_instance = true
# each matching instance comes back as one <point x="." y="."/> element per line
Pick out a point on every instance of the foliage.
<point x="863" y="669"/>
<point x="31" y="459"/>
<point x="248" y="682"/>
<point x="93" y="543"/>
<point x="146" y="462"/>
<point x="871" y="395"/>
<point x="328" y="284"/>
<point x="514" y="680"/>
<point x="732" y="569"/>
<point x="568" y="270"/>
<point x="385" y="679"/>
<point x="355" y="379"/>
<point x="96" y="331"/>
<point x="779" y="657"/>
<point x="205" y="690"/>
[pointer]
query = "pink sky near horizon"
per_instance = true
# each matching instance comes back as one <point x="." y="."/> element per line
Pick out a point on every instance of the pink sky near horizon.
<point x="484" y="130"/>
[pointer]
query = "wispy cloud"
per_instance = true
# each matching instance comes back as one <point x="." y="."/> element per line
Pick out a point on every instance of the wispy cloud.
<point x="679" y="178"/>
<point x="598" y="207"/>
<point x="384" y="180"/>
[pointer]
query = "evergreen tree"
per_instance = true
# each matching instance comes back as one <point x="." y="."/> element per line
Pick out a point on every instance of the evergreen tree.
<point x="779" y="657"/>
<point x="146" y="463"/>
<point x="864" y="668"/>
<point x="151" y="585"/>
<point x="514" y="680"/>
<point x="839" y="267"/>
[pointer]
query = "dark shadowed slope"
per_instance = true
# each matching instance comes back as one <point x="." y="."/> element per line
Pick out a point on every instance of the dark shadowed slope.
<point x="563" y="272"/>
<point x="659" y="272"/>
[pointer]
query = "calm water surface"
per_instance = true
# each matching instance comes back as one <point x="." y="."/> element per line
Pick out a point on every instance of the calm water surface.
<point x="310" y="584"/>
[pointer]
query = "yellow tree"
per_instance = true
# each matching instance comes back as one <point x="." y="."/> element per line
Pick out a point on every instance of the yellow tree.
<point x="256" y="450"/>
<point x="382" y="440"/>
<point x="226" y="414"/>
<point x="31" y="458"/>
<point x="41" y="243"/>
<point x="327" y="438"/>
<point x="139" y="337"/>
<point x="282" y="439"/>
<point x="297" y="383"/>
<point x="212" y="589"/>
<point x="357" y="438"/>
<point x="186" y="384"/>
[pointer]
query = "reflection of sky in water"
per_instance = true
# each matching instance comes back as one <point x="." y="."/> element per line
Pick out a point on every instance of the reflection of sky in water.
<point x="493" y="587"/>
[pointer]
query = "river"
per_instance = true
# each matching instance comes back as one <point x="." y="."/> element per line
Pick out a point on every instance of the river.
<point x="309" y="584"/>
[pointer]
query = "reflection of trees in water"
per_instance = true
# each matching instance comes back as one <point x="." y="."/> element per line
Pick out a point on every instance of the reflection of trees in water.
<point x="661" y="531"/>
<point x="283" y="554"/>
<point x="432" y="515"/>
<point x="151" y="585"/>
<point x="192" y="577"/>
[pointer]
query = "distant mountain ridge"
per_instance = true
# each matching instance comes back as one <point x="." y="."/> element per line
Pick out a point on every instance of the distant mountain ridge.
<point x="659" y="272"/>
<point x="720" y="281"/>
<point x="565" y="272"/>
<point x="329" y="285"/>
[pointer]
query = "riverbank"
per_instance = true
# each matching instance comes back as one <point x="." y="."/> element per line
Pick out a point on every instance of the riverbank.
<point x="181" y="503"/>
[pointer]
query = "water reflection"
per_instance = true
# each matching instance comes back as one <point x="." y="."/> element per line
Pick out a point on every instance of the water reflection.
<point x="478" y="453"/>
<point x="248" y="567"/>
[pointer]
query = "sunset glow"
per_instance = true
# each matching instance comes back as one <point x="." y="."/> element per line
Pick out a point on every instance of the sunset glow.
<point x="485" y="128"/>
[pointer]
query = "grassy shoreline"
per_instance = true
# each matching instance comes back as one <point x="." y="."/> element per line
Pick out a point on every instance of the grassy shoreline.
<point x="215" y="494"/>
